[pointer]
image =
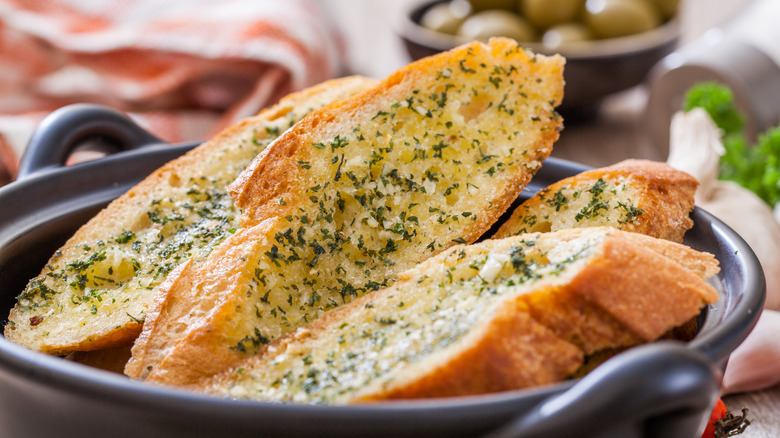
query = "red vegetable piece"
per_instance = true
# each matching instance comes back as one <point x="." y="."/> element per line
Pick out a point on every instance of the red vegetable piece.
<point x="718" y="412"/>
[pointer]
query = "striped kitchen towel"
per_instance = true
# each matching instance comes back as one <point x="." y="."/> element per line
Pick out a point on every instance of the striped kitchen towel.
<point x="183" y="69"/>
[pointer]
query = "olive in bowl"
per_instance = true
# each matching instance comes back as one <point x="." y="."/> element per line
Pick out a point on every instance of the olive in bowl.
<point x="610" y="45"/>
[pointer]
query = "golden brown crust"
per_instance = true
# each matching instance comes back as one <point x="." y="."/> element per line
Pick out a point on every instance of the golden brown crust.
<point x="157" y="184"/>
<point x="368" y="187"/>
<point x="108" y="303"/>
<point x="665" y="197"/>
<point x="703" y="264"/>
<point x="202" y="293"/>
<point x="515" y="352"/>
<point x="141" y="350"/>
<point x="662" y="195"/>
<point x="111" y="359"/>
<point x="274" y="174"/>
<point x="578" y="320"/>
<point x="624" y="285"/>
<point x="638" y="305"/>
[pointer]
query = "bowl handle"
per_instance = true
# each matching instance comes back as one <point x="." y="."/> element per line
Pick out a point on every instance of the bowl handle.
<point x="657" y="390"/>
<point x="58" y="135"/>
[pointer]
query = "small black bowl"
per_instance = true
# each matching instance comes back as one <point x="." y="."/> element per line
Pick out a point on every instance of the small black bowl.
<point x="594" y="69"/>
<point x="657" y="390"/>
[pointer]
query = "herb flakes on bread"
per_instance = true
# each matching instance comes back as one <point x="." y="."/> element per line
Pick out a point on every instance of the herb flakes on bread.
<point x="642" y="196"/>
<point x="464" y="322"/>
<point x="646" y="197"/>
<point x="356" y="193"/>
<point x="94" y="292"/>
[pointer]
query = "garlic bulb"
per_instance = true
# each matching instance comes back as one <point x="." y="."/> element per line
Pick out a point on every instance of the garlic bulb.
<point x="753" y="365"/>
<point x="695" y="148"/>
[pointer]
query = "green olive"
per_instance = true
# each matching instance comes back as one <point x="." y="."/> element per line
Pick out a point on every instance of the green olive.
<point x="484" y="5"/>
<point x="546" y="13"/>
<point x="442" y="18"/>
<point x="616" y="18"/>
<point x="562" y="34"/>
<point x="486" y="24"/>
<point x="668" y="8"/>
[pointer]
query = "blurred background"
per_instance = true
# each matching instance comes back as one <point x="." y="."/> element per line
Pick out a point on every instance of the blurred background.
<point x="182" y="69"/>
<point x="186" y="69"/>
<point x="374" y="48"/>
<point x="372" y="29"/>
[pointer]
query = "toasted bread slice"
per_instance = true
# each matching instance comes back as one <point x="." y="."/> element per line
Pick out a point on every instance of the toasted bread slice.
<point x="94" y="291"/>
<point x="464" y="322"/>
<point x="642" y="196"/>
<point x="358" y="192"/>
<point x="111" y="359"/>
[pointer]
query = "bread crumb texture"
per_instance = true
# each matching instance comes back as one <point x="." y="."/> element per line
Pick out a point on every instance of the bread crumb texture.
<point x="641" y="196"/>
<point x="94" y="291"/>
<point x="469" y="321"/>
<point x="393" y="176"/>
<point x="370" y="186"/>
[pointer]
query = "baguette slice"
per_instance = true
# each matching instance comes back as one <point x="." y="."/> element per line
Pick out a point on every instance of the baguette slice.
<point x="642" y="196"/>
<point x="94" y="292"/>
<point x="110" y="359"/>
<point x="354" y="194"/>
<point x="460" y="323"/>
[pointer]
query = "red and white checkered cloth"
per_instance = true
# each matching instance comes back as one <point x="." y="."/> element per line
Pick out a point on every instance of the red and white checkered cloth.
<point x="183" y="69"/>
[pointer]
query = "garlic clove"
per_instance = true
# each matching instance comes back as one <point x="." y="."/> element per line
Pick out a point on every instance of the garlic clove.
<point x="753" y="365"/>
<point x="695" y="148"/>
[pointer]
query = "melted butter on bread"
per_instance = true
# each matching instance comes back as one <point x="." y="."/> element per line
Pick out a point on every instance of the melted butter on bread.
<point x="642" y="196"/>
<point x="359" y="191"/>
<point x="94" y="292"/>
<point x="444" y="329"/>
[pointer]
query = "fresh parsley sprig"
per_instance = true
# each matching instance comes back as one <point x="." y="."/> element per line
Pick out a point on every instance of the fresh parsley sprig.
<point x="756" y="167"/>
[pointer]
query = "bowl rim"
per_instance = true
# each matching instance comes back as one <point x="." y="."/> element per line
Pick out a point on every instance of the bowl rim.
<point x="15" y="356"/>
<point x="55" y="374"/>
<point x="408" y="28"/>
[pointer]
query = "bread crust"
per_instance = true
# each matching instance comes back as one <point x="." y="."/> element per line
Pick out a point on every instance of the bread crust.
<point x="509" y="345"/>
<point x="514" y="352"/>
<point x="103" y="285"/>
<point x="273" y="174"/>
<point x="110" y="359"/>
<point x="635" y="307"/>
<point x="660" y="197"/>
<point x="209" y="287"/>
<point x="369" y="186"/>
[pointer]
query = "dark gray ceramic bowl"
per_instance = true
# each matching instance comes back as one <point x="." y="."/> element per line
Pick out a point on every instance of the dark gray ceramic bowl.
<point x="659" y="390"/>
<point x="594" y="69"/>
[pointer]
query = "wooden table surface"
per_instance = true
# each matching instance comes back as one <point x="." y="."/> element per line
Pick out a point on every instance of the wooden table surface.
<point x="616" y="132"/>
